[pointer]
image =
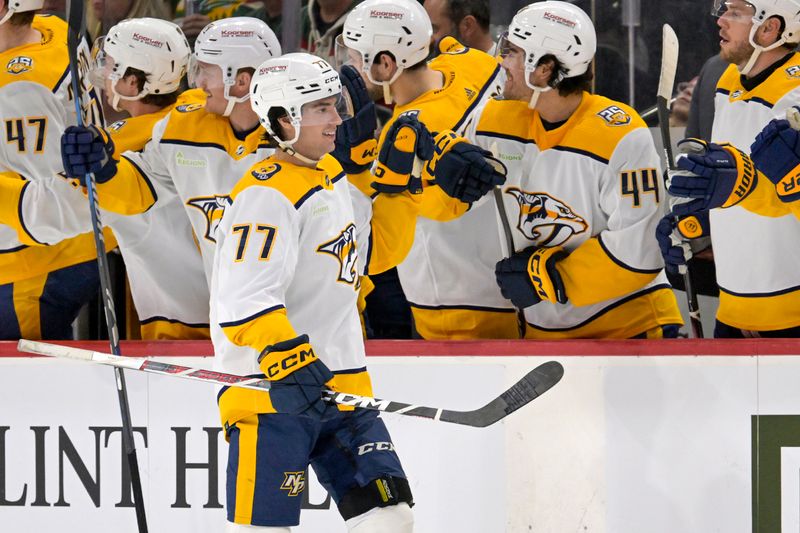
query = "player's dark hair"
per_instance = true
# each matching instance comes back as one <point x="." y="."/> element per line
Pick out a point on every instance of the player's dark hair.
<point x="411" y="68"/>
<point x="458" y="9"/>
<point x="272" y="117"/>
<point x="24" y="18"/>
<point x="568" y="86"/>
<point x="160" y="100"/>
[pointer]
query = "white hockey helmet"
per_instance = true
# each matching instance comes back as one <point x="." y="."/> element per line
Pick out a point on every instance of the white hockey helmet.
<point x="288" y="83"/>
<point x="154" y="46"/>
<point x="787" y="10"/>
<point x="20" y="6"/>
<point x="401" y="28"/>
<point x="553" y="28"/>
<point x="232" y="44"/>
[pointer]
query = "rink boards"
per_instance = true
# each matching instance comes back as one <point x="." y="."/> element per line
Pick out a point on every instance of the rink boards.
<point x="639" y="436"/>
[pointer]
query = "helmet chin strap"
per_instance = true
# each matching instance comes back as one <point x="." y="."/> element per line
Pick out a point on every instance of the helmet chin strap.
<point x="232" y="101"/>
<point x="294" y="153"/>
<point x="7" y="16"/>
<point x="745" y="70"/>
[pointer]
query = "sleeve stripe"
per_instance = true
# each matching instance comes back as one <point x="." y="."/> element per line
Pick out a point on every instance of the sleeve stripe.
<point x="581" y="152"/>
<point x="146" y="180"/>
<point x="306" y="196"/>
<point x="251" y="317"/>
<point x="171" y="321"/>
<point x="485" y="133"/>
<point x="464" y="307"/>
<point x="63" y="77"/>
<point x="623" y="265"/>
<point x="760" y="294"/>
<point x="21" y="219"/>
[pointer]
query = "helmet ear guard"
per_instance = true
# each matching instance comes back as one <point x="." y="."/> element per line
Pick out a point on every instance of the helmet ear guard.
<point x="21" y="6"/>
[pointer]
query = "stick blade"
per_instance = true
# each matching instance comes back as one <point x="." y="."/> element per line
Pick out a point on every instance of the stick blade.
<point x="53" y="350"/>
<point x="669" y="62"/>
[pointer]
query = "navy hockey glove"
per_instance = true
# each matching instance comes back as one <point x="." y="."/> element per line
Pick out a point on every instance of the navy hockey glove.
<point x="530" y="276"/>
<point x="464" y="171"/>
<point x="297" y="377"/>
<point x="406" y="139"/>
<point x="776" y="154"/>
<point x="85" y="150"/>
<point x="714" y="175"/>
<point x="356" y="146"/>
<point x="675" y="239"/>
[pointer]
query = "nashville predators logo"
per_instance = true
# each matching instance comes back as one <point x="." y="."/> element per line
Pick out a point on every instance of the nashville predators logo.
<point x="343" y="248"/>
<point x="614" y="116"/>
<point x="545" y="220"/>
<point x="212" y="207"/>
<point x="19" y="64"/>
<point x="294" y="482"/>
<point x="793" y="71"/>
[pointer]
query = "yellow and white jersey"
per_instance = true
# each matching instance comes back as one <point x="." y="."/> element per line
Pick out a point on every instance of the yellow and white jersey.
<point x="756" y="271"/>
<point x="287" y="264"/>
<point x="192" y="154"/>
<point x="35" y="107"/>
<point x="442" y="307"/>
<point x="593" y="186"/>
<point x="170" y="291"/>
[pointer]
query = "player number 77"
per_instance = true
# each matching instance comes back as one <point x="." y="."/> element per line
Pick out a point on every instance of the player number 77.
<point x="531" y="386"/>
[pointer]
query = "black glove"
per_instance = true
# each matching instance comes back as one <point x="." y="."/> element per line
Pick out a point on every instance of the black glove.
<point x="406" y="140"/>
<point x="297" y="376"/>
<point x="88" y="150"/>
<point x="530" y="276"/>
<point x="356" y="146"/>
<point x="464" y="171"/>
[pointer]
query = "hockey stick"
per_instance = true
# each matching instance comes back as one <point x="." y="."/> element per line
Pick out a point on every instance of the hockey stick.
<point x="508" y="236"/>
<point x="669" y="67"/>
<point x="75" y="32"/>
<point x="532" y="385"/>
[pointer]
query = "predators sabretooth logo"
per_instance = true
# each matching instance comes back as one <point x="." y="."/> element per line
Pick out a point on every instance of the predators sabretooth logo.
<point x="212" y="207"/>
<point x="545" y="220"/>
<point x="343" y="248"/>
<point x="19" y="64"/>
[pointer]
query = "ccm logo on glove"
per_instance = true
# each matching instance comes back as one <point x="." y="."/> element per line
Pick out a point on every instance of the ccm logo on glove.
<point x="299" y="357"/>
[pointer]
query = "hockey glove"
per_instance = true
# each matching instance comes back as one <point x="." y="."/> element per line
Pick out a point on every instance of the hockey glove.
<point x="464" y="171"/>
<point x="88" y="150"/>
<point x="297" y="377"/>
<point x="675" y="239"/>
<point x="356" y="146"/>
<point x="714" y="175"/>
<point x="406" y="140"/>
<point x="530" y="276"/>
<point x="776" y="154"/>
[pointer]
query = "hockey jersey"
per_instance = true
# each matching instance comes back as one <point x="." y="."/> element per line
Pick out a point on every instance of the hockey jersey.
<point x="169" y="290"/>
<point x="36" y="105"/>
<point x="756" y="271"/>
<point x="592" y="186"/>
<point x="193" y="154"/>
<point x="441" y="305"/>
<point x="286" y="264"/>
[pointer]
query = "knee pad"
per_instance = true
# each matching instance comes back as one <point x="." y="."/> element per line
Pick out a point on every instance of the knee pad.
<point x="396" y="518"/>
<point x="230" y="527"/>
<point x="382" y="492"/>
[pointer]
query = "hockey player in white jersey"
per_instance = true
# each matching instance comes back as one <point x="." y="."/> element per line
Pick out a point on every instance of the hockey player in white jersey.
<point x="140" y="64"/>
<point x="583" y="192"/>
<point x="759" y="283"/>
<point x="283" y="305"/>
<point x="41" y="288"/>
<point x="198" y="150"/>
<point x="388" y="42"/>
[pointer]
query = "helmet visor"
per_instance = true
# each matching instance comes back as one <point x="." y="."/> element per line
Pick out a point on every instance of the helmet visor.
<point x="344" y="55"/>
<point x="102" y="64"/>
<point x="327" y="110"/>
<point x="735" y="11"/>
<point x="204" y="75"/>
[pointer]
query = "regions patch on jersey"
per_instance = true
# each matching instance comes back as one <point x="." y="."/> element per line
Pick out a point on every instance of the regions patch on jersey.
<point x="19" y="64"/>
<point x="793" y="71"/>
<point x="545" y="220"/>
<point x="343" y="248"/>
<point x="265" y="172"/>
<point x="188" y="108"/>
<point x="213" y="207"/>
<point x="614" y="116"/>
<point x="184" y="161"/>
